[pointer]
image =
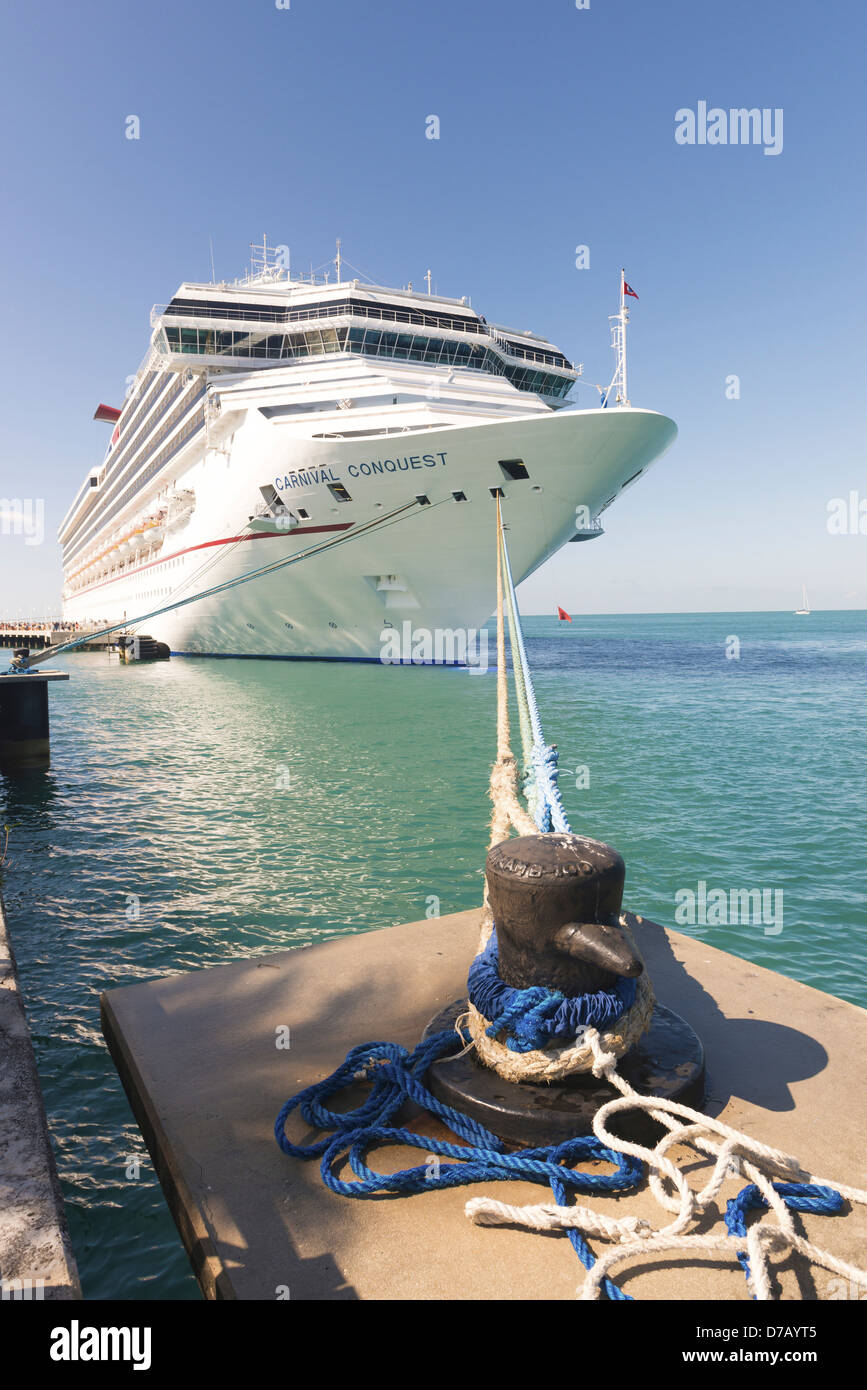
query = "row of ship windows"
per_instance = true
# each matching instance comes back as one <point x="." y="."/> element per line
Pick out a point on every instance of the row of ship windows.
<point x="146" y="400"/>
<point x="192" y="425"/>
<point x="153" y="439"/>
<point x="119" y="569"/>
<point x="225" y="341"/>
<point x="124" y="449"/>
<point x="407" y="347"/>
<point x="362" y="309"/>
<point x="126" y="443"/>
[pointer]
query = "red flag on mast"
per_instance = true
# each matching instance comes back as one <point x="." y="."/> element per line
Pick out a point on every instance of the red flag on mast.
<point x="563" y="615"/>
<point x="627" y="289"/>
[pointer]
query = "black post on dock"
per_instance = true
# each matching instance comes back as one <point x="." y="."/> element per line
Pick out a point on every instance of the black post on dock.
<point x="25" y="741"/>
<point x="557" y="903"/>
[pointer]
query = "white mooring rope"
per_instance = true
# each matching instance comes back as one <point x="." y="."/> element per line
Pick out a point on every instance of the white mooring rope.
<point x="598" y="1053"/>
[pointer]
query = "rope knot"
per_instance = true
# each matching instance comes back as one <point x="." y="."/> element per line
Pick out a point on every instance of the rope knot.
<point x="535" y="1018"/>
<point x="634" y="1228"/>
<point x="603" y="1062"/>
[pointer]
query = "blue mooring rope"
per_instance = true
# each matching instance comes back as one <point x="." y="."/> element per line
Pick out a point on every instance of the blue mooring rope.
<point x="534" y="1017"/>
<point x="397" y="1075"/>
<point x="798" y="1196"/>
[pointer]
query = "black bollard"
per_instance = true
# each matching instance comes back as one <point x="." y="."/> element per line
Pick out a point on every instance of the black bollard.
<point x="556" y="902"/>
<point x="25" y="742"/>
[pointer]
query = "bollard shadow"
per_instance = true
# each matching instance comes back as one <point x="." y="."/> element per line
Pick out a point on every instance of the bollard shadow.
<point x="750" y="1058"/>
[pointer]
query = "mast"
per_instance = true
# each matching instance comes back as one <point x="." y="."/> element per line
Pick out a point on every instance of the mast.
<point x="624" y="319"/>
<point x="618" y="323"/>
<point x="337" y="260"/>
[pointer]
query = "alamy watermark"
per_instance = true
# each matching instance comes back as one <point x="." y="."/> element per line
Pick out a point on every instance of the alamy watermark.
<point x="23" y="516"/>
<point x="715" y="907"/>
<point x="846" y="1289"/>
<point x="22" y="1290"/>
<point x="421" y="646"/>
<point x="77" y="1343"/>
<point x="737" y="126"/>
<point x="847" y="516"/>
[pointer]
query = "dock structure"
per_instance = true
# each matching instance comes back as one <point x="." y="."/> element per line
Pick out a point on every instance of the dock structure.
<point x="42" y="638"/>
<point x="36" y="1259"/>
<point x="25" y="737"/>
<point x="204" y="1062"/>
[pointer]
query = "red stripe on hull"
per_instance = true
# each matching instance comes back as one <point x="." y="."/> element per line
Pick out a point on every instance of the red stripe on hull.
<point x="205" y="545"/>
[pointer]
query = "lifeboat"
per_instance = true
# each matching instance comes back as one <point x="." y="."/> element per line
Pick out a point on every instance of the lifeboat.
<point x="155" y="528"/>
<point x="180" y="509"/>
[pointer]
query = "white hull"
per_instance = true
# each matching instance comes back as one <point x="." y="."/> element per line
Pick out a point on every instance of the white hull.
<point x="334" y="605"/>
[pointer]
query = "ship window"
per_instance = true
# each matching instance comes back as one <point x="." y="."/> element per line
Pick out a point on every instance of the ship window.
<point x="459" y="496"/>
<point x="497" y="492"/>
<point x="303" y="513"/>
<point x="423" y="501"/>
<point x="514" y="468"/>
<point x="339" y="492"/>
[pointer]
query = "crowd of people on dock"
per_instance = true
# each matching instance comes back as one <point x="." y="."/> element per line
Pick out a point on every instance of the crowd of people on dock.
<point x="48" y="625"/>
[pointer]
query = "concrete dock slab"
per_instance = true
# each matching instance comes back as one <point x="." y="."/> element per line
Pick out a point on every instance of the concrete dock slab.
<point x="199" y="1059"/>
<point x="36" y="1260"/>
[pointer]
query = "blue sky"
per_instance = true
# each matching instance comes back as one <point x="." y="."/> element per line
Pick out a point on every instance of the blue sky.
<point x="557" y="130"/>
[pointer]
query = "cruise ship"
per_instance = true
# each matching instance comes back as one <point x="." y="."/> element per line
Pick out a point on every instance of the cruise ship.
<point x="361" y="433"/>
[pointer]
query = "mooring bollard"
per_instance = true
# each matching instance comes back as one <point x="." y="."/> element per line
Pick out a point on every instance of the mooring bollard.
<point x="556" y="902"/>
<point x="25" y="740"/>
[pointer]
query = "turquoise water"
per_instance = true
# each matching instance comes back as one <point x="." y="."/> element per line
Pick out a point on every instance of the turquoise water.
<point x="198" y="811"/>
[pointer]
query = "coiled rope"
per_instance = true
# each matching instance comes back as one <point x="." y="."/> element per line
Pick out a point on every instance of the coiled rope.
<point x="532" y="1018"/>
<point x="778" y="1184"/>
<point x="396" y="1076"/>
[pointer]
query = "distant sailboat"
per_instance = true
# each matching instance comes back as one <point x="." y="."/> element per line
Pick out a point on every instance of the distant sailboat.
<point x="804" y="610"/>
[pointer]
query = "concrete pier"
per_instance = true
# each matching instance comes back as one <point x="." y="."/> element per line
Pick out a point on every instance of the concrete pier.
<point x="199" y="1058"/>
<point x="36" y="1260"/>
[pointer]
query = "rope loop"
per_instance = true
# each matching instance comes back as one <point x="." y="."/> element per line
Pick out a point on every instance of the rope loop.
<point x="396" y="1076"/>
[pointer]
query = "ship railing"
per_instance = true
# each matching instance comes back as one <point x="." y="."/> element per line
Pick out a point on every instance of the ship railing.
<point x="547" y="359"/>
